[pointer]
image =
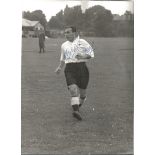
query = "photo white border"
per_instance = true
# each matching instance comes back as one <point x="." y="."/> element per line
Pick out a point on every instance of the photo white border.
<point x="144" y="78"/>
<point x="10" y="67"/>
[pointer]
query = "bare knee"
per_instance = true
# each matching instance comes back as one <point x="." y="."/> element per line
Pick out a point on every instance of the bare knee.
<point x="73" y="90"/>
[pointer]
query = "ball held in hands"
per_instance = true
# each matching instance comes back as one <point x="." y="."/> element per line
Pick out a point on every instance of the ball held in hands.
<point x="79" y="56"/>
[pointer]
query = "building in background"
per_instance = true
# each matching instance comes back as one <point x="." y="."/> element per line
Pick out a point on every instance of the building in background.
<point x="31" y="28"/>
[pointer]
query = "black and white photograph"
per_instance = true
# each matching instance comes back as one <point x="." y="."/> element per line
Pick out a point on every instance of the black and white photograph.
<point x="77" y="77"/>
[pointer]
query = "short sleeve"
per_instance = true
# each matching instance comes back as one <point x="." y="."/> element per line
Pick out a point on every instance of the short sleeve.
<point x="62" y="58"/>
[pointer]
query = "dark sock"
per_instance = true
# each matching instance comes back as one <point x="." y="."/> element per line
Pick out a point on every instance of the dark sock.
<point x="75" y="107"/>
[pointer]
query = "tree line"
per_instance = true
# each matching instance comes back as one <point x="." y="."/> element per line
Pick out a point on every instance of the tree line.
<point x="96" y="21"/>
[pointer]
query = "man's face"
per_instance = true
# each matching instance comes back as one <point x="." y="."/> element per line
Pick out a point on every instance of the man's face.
<point x="70" y="36"/>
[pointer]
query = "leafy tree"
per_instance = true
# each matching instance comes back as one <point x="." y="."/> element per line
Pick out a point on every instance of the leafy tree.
<point x="68" y="20"/>
<point x="99" y="20"/>
<point x="57" y="21"/>
<point x="77" y="17"/>
<point x="96" y="21"/>
<point x="73" y="16"/>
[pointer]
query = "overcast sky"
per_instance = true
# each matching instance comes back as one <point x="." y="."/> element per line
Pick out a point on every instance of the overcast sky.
<point x="51" y="7"/>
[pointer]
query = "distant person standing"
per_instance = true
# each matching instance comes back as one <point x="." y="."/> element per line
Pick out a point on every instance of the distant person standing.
<point x="41" y="41"/>
<point x="75" y="52"/>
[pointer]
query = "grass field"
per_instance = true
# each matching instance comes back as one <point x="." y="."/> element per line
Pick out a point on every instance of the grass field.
<point x="47" y="123"/>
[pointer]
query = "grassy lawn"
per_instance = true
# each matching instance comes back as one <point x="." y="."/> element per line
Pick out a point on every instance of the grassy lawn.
<point x="47" y="123"/>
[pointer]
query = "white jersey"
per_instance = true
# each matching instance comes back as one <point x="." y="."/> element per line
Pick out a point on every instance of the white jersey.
<point x="70" y="49"/>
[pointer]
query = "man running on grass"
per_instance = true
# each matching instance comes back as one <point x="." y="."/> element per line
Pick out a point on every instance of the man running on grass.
<point x="75" y="52"/>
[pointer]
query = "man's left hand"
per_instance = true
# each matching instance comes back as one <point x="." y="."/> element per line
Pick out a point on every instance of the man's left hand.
<point x="79" y="56"/>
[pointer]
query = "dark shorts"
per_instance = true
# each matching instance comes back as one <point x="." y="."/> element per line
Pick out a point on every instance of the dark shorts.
<point x="77" y="73"/>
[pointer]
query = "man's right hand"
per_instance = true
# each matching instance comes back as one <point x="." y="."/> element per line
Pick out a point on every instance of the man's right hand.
<point x="58" y="70"/>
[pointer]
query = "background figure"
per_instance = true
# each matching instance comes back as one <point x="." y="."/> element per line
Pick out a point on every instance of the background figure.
<point x="41" y="41"/>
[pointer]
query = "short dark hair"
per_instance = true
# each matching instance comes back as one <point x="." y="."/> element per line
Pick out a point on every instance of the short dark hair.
<point x="72" y="27"/>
